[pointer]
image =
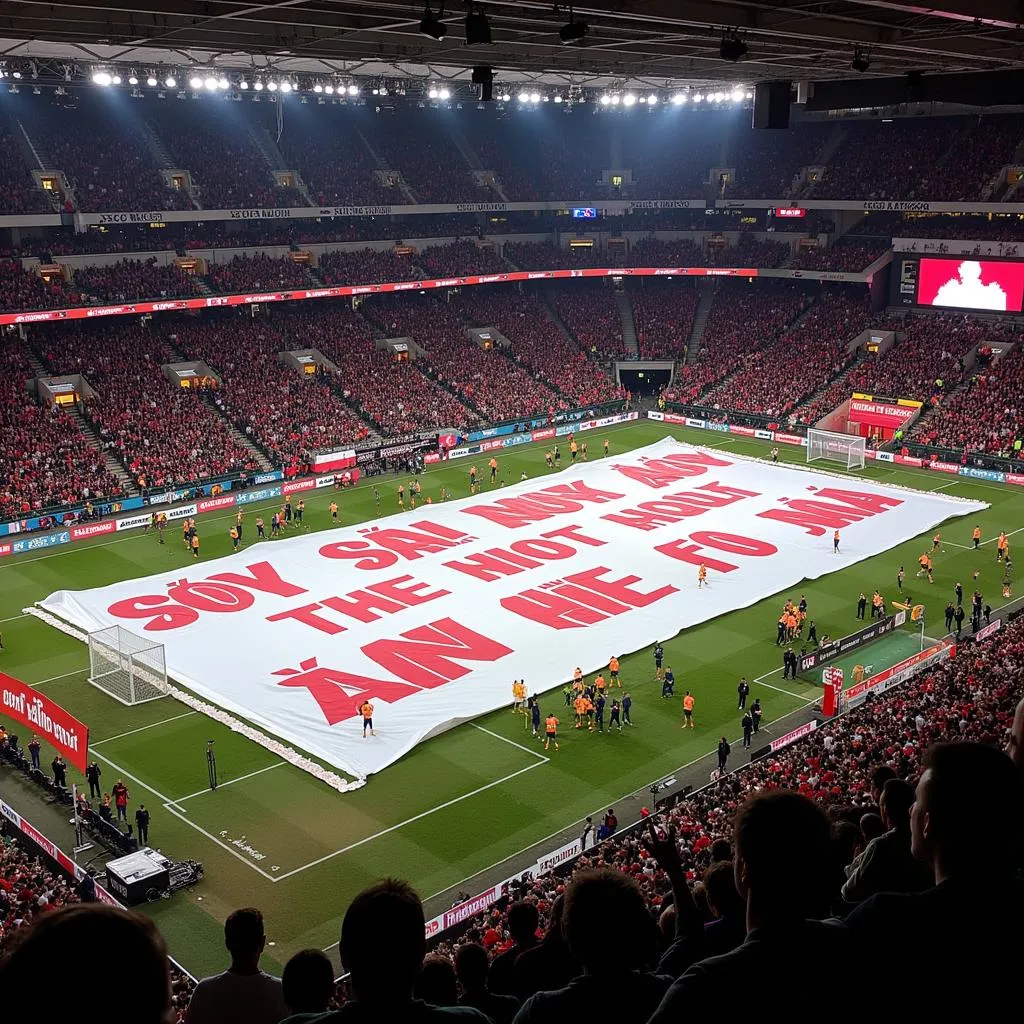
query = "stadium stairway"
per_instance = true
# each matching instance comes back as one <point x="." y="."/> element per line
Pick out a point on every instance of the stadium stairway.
<point x="333" y="381"/>
<point x="259" y="453"/>
<point x="705" y="300"/>
<point x="113" y="465"/>
<point x="157" y="149"/>
<point x="553" y="316"/>
<point x="476" y="165"/>
<point x="276" y="161"/>
<point x="383" y="165"/>
<point x="628" y="326"/>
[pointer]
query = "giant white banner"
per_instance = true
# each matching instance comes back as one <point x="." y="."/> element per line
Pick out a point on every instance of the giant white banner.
<point x="431" y="615"/>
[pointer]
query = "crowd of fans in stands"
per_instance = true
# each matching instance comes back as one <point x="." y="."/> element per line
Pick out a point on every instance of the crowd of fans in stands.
<point x="849" y="257"/>
<point x="105" y="158"/>
<point x="883" y="833"/>
<point x="985" y="415"/>
<point x="461" y="258"/>
<point x="365" y="266"/>
<point x="743" y="318"/>
<point x="165" y="436"/>
<point x="590" y="313"/>
<point x="131" y="280"/>
<point x="289" y="415"/>
<point x="18" y="192"/>
<point x="258" y="273"/>
<point x="45" y="460"/>
<point x="538" y="345"/>
<point x="663" y="315"/>
<point x="785" y="370"/>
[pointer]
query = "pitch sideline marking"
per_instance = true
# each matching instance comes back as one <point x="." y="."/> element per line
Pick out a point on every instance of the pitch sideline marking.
<point x="230" y="782"/>
<point x="408" y="821"/>
<point x="170" y="806"/>
<point x="760" y="681"/>
<point x="141" y="728"/>
<point x="991" y="540"/>
<point x="505" y="739"/>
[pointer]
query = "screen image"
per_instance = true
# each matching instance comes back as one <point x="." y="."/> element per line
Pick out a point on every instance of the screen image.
<point x="584" y="212"/>
<point x="993" y="285"/>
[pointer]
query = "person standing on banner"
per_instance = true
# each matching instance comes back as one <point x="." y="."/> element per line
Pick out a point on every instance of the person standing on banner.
<point x="366" y="710"/>
<point x="93" y="773"/>
<point x="142" y="825"/>
<point x="835" y="543"/>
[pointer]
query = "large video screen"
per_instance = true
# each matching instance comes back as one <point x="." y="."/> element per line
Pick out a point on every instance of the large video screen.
<point x="993" y="285"/>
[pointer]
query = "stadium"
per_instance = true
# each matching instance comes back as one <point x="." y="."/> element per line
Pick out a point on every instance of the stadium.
<point x="509" y="506"/>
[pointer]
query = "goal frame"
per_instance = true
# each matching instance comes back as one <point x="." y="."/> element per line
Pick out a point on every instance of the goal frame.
<point x="833" y="446"/>
<point x="127" y="667"/>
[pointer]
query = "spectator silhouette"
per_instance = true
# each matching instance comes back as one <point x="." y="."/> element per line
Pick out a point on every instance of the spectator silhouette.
<point x="437" y="984"/>
<point x="382" y="944"/>
<point x="550" y="964"/>
<point x="471" y="968"/>
<point x="604" y="911"/>
<point x="783" y="872"/>
<point x="308" y="985"/>
<point x="886" y="864"/>
<point x="965" y="824"/>
<point x="522" y="925"/>
<point x="99" y="937"/>
<point x="243" y="994"/>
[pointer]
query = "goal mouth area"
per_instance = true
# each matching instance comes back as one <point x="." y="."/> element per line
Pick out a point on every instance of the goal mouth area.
<point x="827" y="445"/>
<point x="130" y="668"/>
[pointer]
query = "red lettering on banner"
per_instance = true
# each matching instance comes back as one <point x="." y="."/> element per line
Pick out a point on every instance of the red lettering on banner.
<point x="388" y="596"/>
<point x="649" y="515"/>
<point x="333" y="689"/>
<point x="537" y="506"/>
<point x="308" y="617"/>
<point x="554" y="610"/>
<point x="660" y="473"/>
<point x="491" y="565"/>
<point x="582" y="599"/>
<point x="572" y="532"/>
<point x="873" y="503"/>
<point x="694" y="550"/>
<point x="298" y="485"/>
<point x="209" y="504"/>
<point x="425" y="656"/>
<point x="263" y="577"/>
<point x="393" y="544"/>
<point x="159" y="609"/>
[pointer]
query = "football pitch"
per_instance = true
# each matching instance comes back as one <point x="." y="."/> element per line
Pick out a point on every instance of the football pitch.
<point x="466" y="801"/>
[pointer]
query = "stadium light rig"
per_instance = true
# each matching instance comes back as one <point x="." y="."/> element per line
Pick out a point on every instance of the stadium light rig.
<point x="433" y="27"/>
<point x="478" y="27"/>
<point x="572" y="31"/>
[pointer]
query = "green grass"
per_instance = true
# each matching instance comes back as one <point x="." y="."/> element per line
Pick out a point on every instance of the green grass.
<point x="459" y="803"/>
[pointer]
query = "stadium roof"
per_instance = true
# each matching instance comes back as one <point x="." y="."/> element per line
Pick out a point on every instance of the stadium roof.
<point x="628" y="41"/>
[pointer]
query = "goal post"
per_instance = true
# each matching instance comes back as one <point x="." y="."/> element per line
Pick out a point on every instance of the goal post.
<point x="132" y="669"/>
<point x="833" y="447"/>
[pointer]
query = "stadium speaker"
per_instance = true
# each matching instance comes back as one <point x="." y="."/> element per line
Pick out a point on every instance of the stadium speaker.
<point x="771" y="105"/>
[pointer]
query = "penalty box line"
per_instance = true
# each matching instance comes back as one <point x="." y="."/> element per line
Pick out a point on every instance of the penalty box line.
<point x="760" y="681"/>
<point x="541" y="760"/>
<point x="171" y="808"/>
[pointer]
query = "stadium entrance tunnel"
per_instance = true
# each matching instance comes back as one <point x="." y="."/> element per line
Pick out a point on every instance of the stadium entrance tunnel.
<point x="645" y="380"/>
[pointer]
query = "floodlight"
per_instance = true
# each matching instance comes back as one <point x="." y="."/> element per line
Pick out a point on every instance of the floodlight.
<point x="151" y="82"/>
<point x="101" y="78"/>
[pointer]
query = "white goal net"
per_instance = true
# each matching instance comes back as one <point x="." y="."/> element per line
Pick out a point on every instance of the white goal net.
<point x="844" y="448"/>
<point x="132" y="669"/>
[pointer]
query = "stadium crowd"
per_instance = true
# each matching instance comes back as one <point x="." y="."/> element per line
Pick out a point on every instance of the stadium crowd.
<point x="850" y="257"/>
<point x="365" y="266"/>
<point x="489" y="382"/>
<point x="45" y="460"/>
<point x="25" y="289"/>
<point x="18" y="192"/>
<point x="288" y="415"/>
<point x="539" y="345"/>
<point x="590" y="313"/>
<point x="130" y="281"/>
<point x="885" y="832"/>
<point x="163" y="435"/>
<point x="786" y="369"/>
<point x="743" y="318"/>
<point x="663" y="313"/>
<point x="258" y="273"/>
<point x="984" y="415"/>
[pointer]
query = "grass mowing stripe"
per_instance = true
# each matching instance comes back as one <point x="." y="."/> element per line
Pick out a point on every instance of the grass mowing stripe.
<point x="141" y="728"/>
<point x="169" y="805"/>
<point x="224" y="785"/>
<point x="409" y="821"/>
